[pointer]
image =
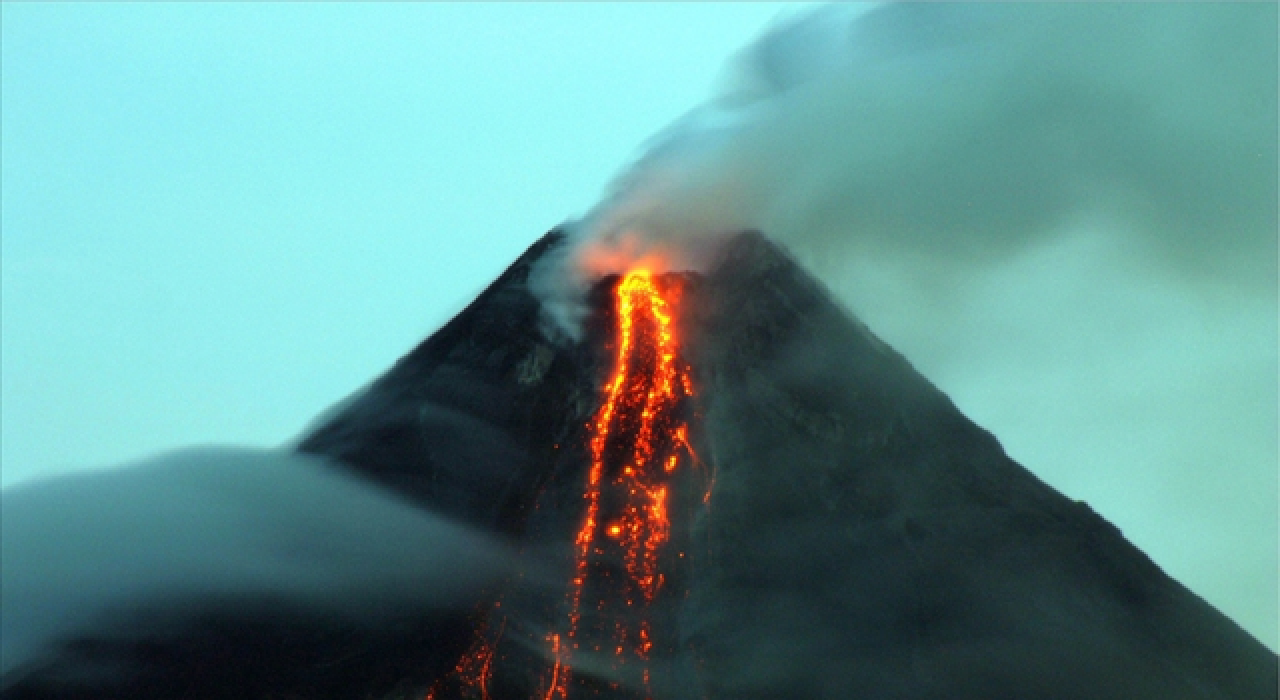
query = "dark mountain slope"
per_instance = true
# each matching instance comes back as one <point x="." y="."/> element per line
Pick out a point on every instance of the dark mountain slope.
<point x="861" y="537"/>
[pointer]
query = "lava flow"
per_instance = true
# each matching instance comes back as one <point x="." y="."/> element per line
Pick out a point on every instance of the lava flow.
<point x="637" y="440"/>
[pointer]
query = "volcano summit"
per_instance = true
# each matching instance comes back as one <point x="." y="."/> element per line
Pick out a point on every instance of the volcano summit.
<point x="727" y="487"/>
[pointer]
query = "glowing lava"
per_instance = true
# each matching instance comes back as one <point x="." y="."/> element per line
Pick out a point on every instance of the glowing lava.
<point x="634" y="438"/>
<point x="637" y="440"/>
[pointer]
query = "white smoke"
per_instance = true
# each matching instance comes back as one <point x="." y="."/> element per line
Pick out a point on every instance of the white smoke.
<point x="1065" y="214"/>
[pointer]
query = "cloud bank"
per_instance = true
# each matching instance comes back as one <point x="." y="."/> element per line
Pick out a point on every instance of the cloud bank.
<point x="122" y="554"/>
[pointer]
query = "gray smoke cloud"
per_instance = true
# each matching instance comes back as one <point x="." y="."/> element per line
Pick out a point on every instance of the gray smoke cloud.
<point x="1064" y="214"/>
<point x="975" y="130"/>
<point x="111" y="555"/>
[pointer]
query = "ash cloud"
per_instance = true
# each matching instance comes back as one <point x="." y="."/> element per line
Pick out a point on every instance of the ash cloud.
<point x="1064" y="214"/>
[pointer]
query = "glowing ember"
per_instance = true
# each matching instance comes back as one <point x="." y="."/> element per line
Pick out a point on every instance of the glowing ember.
<point x="474" y="670"/>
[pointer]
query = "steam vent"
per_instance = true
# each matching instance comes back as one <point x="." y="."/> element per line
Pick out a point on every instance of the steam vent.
<point x="727" y="488"/>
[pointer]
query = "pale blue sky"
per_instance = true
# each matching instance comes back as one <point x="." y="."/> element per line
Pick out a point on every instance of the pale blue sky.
<point x="218" y="219"/>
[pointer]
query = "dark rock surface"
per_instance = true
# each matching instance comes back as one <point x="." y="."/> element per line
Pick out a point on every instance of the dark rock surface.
<point x="474" y="420"/>
<point x="863" y="539"/>
<point x="867" y="540"/>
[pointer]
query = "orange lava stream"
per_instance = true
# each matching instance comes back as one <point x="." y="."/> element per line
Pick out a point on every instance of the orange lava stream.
<point x="640" y="402"/>
<point x="636" y="437"/>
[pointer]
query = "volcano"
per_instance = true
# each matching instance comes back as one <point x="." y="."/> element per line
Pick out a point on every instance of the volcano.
<point x="731" y="489"/>
<point x="829" y="524"/>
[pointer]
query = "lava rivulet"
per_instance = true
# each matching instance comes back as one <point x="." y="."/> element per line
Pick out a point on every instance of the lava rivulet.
<point x="637" y="440"/>
<point x="634" y="443"/>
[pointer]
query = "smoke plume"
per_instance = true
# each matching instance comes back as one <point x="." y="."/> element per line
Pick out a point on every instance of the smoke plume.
<point x="976" y="130"/>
